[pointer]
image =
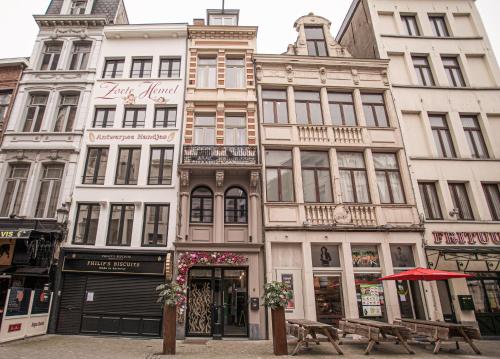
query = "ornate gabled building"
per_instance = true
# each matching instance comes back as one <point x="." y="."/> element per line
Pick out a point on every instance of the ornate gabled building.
<point x="338" y="205"/>
<point x="219" y="213"/>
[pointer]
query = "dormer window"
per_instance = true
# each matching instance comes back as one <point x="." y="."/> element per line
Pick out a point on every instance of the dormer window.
<point x="316" y="43"/>
<point x="78" y="7"/>
<point x="227" y="20"/>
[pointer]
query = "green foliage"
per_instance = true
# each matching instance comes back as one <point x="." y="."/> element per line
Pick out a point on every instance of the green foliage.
<point x="277" y="295"/>
<point x="171" y="294"/>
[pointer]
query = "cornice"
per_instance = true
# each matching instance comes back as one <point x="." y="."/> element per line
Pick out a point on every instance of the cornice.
<point x="222" y="32"/>
<point x="301" y="60"/>
<point x="70" y="20"/>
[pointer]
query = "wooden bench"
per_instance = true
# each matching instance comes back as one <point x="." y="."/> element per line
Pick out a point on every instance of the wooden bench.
<point x="306" y="331"/>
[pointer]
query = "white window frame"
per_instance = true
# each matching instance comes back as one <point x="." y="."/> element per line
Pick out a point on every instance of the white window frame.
<point x="32" y="103"/>
<point x="45" y="51"/>
<point x="82" y="57"/>
<point x="203" y="73"/>
<point x="18" y="181"/>
<point x="67" y="108"/>
<point x="48" y="195"/>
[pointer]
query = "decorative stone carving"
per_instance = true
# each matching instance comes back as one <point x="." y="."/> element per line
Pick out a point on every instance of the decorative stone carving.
<point x="342" y="215"/>
<point x="258" y="72"/>
<point x="219" y="178"/>
<point x="355" y="76"/>
<point x="385" y="78"/>
<point x="322" y="75"/>
<point x="20" y="155"/>
<point x="54" y="155"/>
<point x="289" y="73"/>
<point x="184" y="178"/>
<point x="254" y="179"/>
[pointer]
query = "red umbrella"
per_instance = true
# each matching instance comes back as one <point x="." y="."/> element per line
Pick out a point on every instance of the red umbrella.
<point x="425" y="274"/>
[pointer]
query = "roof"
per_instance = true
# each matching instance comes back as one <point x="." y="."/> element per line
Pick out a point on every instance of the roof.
<point x="14" y="61"/>
<point x="107" y="8"/>
<point x="347" y="19"/>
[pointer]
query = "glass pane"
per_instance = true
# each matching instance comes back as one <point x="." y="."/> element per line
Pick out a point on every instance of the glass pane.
<point x="274" y="94"/>
<point x="301" y="113"/>
<point x="476" y="289"/>
<point x="314" y="159"/>
<point x="361" y="187"/>
<point x="42" y="199"/>
<point x="350" y="160"/>
<point x="307" y="96"/>
<point x="324" y="186"/>
<point x="316" y="114"/>
<point x="396" y="187"/>
<point x="272" y="185"/>
<point x="286" y="185"/>
<point x="383" y="188"/>
<point x="309" y="185"/>
<point x="372" y="98"/>
<point x="385" y="161"/>
<point x="279" y="158"/>
<point x="493" y="295"/>
<point x="282" y="111"/>
<point x="365" y="256"/>
<point x="324" y="255"/>
<point x="369" y="117"/>
<point x="346" y="186"/>
<point x="336" y="114"/>
<point x="402" y="256"/>
<point x="314" y="33"/>
<point x="205" y="120"/>
<point x="381" y="116"/>
<point x="370" y="296"/>
<point x="349" y="115"/>
<point x="328" y="298"/>
<point x="268" y="108"/>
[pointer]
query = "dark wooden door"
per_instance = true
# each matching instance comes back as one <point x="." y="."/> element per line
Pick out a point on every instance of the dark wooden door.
<point x="70" y="309"/>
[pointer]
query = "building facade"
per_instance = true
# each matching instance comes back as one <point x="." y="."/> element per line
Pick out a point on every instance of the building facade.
<point x="124" y="205"/>
<point x="219" y="246"/>
<point x="446" y="85"/>
<point x="339" y="209"/>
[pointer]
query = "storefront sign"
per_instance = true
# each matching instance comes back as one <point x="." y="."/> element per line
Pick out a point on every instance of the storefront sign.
<point x="112" y="263"/>
<point x="287" y="278"/>
<point x="143" y="137"/>
<point x="467" y="238"/>
<point x="15" y="234"/>
<point x="132" y="92"/>
<point x="14" y="327"/>
<point x="6" y="251"/>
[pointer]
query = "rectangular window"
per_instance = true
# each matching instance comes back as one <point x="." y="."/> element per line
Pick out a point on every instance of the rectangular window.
<point x="275" y="106"/>
<point x="235" y="73"/>
<point x="155" y="225"/>
<point x="365" y="256"/>
<point x="461" y="201"/>
<point x="50" y="55"/>
<point x="141" y="68"/>
<point x="316" y="44"/>
<point x="204" y="129"/>
<point x="342" y="109"/>
<point x="423" y="70"/>
<point x="474" y="136"/>
<point x="218" y="20"/>
<point x="207" y="72"/>
<point x="78" y="7"/>
<point x="4" y="105"/>
<point x="389" y="182"/>
<point x="442" y="136"/>
<point x="80" y="55"/>
<point x="402" y="256"/>
<point x="95" y="165"/>
<point x="127" y="170"/>
<point x="48" y="199"/>
<point x="66" y="113"/>
<point x="430" y="200"/>
<point x="279" y="175"/>
<point x="87" y="219"/>
<point x="121" y="221"/>
<point x="14" y="189"/>
<point x="104" y="117"/>
<point x="374" y="109"/>
<point x="165" y="117"/>
<point x="235" y="132"/>
<point x="410" y="25"/>
<point x="316" y="181"/>
<point x="134" y="117"/>
<point x="113" y="68"/>
<point x="438" y="23"/>
<point x="453" y="71"/>
<point x="160" y="166"/>
<point x="492" y="193"/>
<point x="170" y="68"/>
<point x="308" y="108"/>
<point x="35" y="112"/>
<point x="353" y="178"/>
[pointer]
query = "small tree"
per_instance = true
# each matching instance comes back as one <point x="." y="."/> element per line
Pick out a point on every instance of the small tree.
<point x="170" y="295"/>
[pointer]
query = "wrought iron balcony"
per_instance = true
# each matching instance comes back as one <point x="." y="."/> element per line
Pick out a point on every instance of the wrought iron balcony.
<point x="219" y="155"/>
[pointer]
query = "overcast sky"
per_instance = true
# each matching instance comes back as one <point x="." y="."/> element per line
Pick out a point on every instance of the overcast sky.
<point x="274" y="18"/>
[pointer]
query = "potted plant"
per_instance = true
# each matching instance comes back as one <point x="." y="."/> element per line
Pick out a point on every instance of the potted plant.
<point x="170" y="295"/>
<point x="276" y="297"/>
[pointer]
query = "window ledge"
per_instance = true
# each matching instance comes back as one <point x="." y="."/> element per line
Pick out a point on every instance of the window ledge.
<point x="448" y="221"/>
<point x="434" y="37"/>
<point x="454" y="159"/>
<point x="111" y="79"/>
<point x="464" y="88"/>
<point x="130" y="129"/>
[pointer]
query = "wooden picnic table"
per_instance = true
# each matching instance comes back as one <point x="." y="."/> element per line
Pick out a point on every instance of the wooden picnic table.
<point x="306" y="332"/>
<point x="377" y="332"/>
<point x="440" y="332"/>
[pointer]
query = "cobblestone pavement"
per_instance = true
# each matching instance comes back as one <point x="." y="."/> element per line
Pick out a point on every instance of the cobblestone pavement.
<point x="79" y="347"/>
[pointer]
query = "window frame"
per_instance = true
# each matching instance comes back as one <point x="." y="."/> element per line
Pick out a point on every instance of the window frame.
<point x="406" y="24"/>
<point x="471" y="140"/>
<point x="115" y="72"/>
<point x="79" y="60"/>
<point x="39" y="112"/>
<point x="156" y="224"/>
<point x="15" y="193"/>
<point x="316" y="41"/>
<point x="95" y="177"/>
<point x="442" y="131"/>
<point x="453" y="72"/>
<point x="434" y="20"/>
<point x="235" y="212"/>
<point x="236" y="70"/>
<point x="202" y="209"/>
<point x="341" y="105"/>
<point x="136" y="123"/>
<point x="279" y="177"/>
<point x="203" y="72"/>
<point x="70" y="111"/>
<point x="163" y="157"/>
<point x="107" y="111"/>
<point x="372" y="106"/>
<point x="386" y="172"/>
<point x="308" y="108"/>
<point x="455" y="200"/>
<point x="494" y="215"/>
<point x="315" y="170"/>
<point x="423" y="70"/>
<point x="165" y="121"/>
<point x="274" y="102"/>
<point x="425" y="187"/>
<point x="142" y="72"/>
<point x="351" y="171"/>
<point x="53" y="57"/>
<point x="121" y="226"/>
<point x="88" y="219"/>
<point x="170" y="72"/>
<point x="53" y="182"/>
<point x="128" y="166"/>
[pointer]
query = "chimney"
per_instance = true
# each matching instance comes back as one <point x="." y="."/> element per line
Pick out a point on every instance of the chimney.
<point x="199" y="22"/>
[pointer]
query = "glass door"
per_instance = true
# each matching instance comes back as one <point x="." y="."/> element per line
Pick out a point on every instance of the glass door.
<point x="445" y="299"/>
<point x="485" y="291"/>
<point x="329" y="299"/>
<point x="370" y="296"/>
<point x="410" y="300"/>
<point x="235" y="302"/>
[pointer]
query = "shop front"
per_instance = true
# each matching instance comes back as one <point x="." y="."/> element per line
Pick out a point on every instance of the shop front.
<point x="111" y="292"/>
<point x="475" y="299"/>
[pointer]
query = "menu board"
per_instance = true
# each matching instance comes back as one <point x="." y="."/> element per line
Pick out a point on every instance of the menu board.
<point x="370" y="300"/>
<point x="288" y="280"/>
<point x="18" y="302"/>
<point x="41" y="302"/>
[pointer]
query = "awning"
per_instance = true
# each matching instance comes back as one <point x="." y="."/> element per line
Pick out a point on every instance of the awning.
<point x="478" y="250"/>
<point x="473" y="258"/>
<point x="32" y="271"/>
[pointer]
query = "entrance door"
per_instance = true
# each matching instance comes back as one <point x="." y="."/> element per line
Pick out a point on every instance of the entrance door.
<point x="329" y="301"/>
<point x="410" y="300"/>
<point x="445" y="300"/>
<point x="217" y="302"/>
<point x="485" y="290"/>
<point x="70" y="309"/>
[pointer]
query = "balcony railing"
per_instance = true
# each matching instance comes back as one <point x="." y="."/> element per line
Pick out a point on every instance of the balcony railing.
<point x="347" y="135"/>
<point x="358" y="215"/>
<point x="214" y="155"/>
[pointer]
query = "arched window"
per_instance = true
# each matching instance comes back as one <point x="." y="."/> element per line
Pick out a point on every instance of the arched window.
<point x="202" y="205"/>
<point x="235" y="206"/>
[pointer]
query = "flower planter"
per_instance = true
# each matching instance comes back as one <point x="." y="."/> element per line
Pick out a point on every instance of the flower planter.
<point x="169" y="323"/>
<point x="279" y="331"/>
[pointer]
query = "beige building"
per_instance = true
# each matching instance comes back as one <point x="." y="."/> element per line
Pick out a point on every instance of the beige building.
<point x="220" y="183"/>
<point x="446" y="85"/>
<point x="339" y="210"/>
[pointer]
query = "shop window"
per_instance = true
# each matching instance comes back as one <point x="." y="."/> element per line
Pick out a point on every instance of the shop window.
<point x="165" y="117"/>
<point x="170" y="68"/>
<point x="374" y="110"/>
<point x="461" y="202"/>
<point x="121" y="221"/>
<point x="365" y="256"/>
<point x="274" y="104"/>
<point x="50" y="185"/>
<point x="202" y="205"/>
<point x="442" y="136"/>
<point x="50" y="55"/>
<point x="127" y="170"/>
<point x="141" y="68"/>
<point x="329" y="299"/>
<point x="66" y="113"/>
<point x="492" y="193"/>
<point x="235" y="131"/>
<point x="438" y="23"/>
<point x="35" y="112"/>
<point x="235" y="206"/>
<point x="308" y="108"/>
<point x="453" y="71"/>
<point x="95" y="165"/>
<point x="207" y="72"/>
<point x="390" y="186"/>
<point x="370" y="296"/>
<point x="4" y="105"/>
<point x="342" y="109"/>
<point x="423" y="70"/>
<point x="80" y="55"/>
<point x="104" y="117"/>
<point x="316" y="43"/>
<point x="410" y="25"/>
<point x="316" y="180"/>
<point x="279" y="176"/>
<point x="353" y="178"/>
<point x="160" y="166"/>
<point x="135" y="117"/>
<point x="204" y="129"/>
<point x="113" y="68"/>
<point x="324" y="255"/>
<point x="15" y="188"/>
<point x="155" y="224"/>
<point x="235" y="72"/>
<point x="402" y="256"/>
<point x="87" y="219"/>
<point x="474" y="136"/>
<point x="430" y="200"/>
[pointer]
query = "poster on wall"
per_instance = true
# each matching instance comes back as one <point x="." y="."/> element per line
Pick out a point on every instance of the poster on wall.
<point x="287" y="278"/>
<point x="6" y="251"/>
<point x="370" y="300"/>
<point x="18" y="302"/>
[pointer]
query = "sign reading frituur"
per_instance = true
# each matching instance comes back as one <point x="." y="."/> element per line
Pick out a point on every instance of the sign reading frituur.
<point x="467" y="238"/>
<point x="132" y="92"/>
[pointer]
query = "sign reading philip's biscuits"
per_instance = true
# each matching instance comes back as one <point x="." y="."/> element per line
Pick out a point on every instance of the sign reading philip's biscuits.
<point x="115" y="263"/>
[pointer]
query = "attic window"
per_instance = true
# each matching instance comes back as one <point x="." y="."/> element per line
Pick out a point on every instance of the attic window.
<point x="227" y="20"/>
<point x="78" y="7"/>
<point x="316" y="44"/>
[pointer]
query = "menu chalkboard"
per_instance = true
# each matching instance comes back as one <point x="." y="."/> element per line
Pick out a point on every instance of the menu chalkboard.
<point x="41" y="302"/>
<point x="18" y="302"/>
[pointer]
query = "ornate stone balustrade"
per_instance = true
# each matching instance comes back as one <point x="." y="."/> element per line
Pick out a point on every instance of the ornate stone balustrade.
<point x="347" y="135"/>
<point x="356" y="215"/>
<point x="317" y="134"/>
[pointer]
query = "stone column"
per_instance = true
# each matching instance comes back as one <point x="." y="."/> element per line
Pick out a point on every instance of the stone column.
<point x="219" y="208"/>
<point x="350" y="300"/>
<point x="292" y="116"/>
<point x="184" y="215"/>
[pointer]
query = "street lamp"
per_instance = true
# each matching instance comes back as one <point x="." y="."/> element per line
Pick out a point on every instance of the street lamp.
<point x="62" y="215"/>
